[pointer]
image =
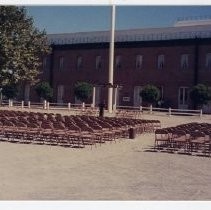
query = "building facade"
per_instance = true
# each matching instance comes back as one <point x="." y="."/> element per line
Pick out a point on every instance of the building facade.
<point x="174" y="59"/>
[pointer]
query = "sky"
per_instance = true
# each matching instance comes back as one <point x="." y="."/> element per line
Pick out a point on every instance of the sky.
<point x="68" y="19"/>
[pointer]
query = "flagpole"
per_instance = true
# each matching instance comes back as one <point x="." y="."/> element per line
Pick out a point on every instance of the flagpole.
<point x="111" y="62"/>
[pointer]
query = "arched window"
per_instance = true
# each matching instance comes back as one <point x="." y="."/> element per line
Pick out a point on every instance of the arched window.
<point x="79" y="62"/>
<point x="208" y="60"/>
<point x="161" y="60"/>
<point x="184" y="61"/>
<point x="139" y="61"/>
<point x="61" y="63"/>
<point x="98" y="62"/>
<point x="118" y="61"/>
<point x="45" y="63"/>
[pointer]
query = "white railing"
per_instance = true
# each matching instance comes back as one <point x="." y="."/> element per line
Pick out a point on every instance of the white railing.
<point x="45" y="105"/>
<point x="166" y="111"/>
<point x="83" y="107"/>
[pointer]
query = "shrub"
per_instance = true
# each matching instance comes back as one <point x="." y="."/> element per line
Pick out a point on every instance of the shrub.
<point x="200" y="94"/>
<point x="44" y="90"/>
<point x="150" y="94"/>
<point x="83" y="91"/>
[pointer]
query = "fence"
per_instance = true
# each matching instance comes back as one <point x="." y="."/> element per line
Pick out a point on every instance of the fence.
<point x="164" y="111"/>
<point x="83" y="107"/>
<point x="46" y="106"/>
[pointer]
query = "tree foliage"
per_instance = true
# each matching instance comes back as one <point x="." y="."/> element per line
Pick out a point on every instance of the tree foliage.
<point x="21" y="46"/>
<point x="83" y="91"/>
<point x="200" y="94"/>
<point x="44" y="90"/>
<point x="150" y="94"/>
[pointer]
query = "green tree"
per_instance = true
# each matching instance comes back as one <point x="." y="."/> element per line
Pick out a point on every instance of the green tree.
<point x="200" y="95"/>
<point x="21" y="46"/>
<point x="150" y="94"/>
<point x="44" y="90"/>
<point x="83" y="91"/>
<point x="10" y="91"/>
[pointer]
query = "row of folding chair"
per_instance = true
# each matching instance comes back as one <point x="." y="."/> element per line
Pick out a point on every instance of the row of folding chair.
<point x="133" y="114"/>
<point x="47" y="136"/>
<point x="56" y="129"/>
<point x="191" y="137"/>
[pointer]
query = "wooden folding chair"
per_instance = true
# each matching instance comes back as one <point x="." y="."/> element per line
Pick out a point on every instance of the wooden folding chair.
<point x="179" y="140"/>
<point x="161" y="139"/>
<point x="197" y="141"/>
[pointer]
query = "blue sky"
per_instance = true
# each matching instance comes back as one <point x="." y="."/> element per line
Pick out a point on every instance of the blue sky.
<point x="65" y="19"/>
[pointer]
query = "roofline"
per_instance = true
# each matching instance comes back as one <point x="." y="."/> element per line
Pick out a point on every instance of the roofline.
<point x="143" y="34"/>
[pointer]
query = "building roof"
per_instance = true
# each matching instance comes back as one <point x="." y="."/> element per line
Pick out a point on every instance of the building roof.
<point x="179" y="31"/>
<point x="193" y="21"/>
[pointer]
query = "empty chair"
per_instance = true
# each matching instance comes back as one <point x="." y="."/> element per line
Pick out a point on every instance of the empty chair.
<point x="179" y="140"/>
<point x="197" y="141"/>
<point x="46" y="132"/>
<point x="33" y="133"/>
<point x="161" y="138"/>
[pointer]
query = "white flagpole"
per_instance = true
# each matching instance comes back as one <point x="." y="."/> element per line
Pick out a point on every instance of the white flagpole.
<point x="111" y="61"/>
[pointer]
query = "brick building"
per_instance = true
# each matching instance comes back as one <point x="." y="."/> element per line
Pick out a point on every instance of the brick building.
<point x="174" y="59"/>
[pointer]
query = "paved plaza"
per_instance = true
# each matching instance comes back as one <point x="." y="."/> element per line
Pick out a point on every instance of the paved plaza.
<point x="112" y="171"/>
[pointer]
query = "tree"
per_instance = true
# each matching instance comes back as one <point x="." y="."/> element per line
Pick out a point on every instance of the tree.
<point x="83" y="91"/>
<point x="150" y="94"/>
<point x="10" y="91"/>
<point x="21" y="46"/>
<point x="200" y="94"/>
<point x="44" y="90"/>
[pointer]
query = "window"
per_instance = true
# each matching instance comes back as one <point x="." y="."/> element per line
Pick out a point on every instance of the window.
<point x="60" y="93"/>
<point x="61" y="63"/>
<point x="160" y="61"/>
<point x="184" y="61"/>
<point x="161" y="92"/>
<point x="118" y="63"/>
<point x="27" y="92"/>
<point x="79" y="62"/>
<point x="44" y="63"/>
<point x="183" y="95"/>
<point x="98" y="62"/>
<point x="208" y="60"/>
<point x="139" y="61"/>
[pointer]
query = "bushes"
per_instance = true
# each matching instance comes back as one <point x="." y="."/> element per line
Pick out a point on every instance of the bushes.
<point x="150" y="94"/>
<point x="83" y="91"/>
<point x="200" y="94"/>
<point x="44" y="90"/>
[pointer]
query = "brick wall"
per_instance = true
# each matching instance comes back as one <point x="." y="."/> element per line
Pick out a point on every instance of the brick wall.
<point x="170" y="77"/>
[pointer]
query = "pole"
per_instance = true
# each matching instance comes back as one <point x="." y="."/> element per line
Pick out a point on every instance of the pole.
<point x="115" y="99"/>
<point x="29" y="104"/>
<point x="111" y="61"/>
<point x="93" y="96"/>
<point x="169" y="111"/>
<point x="68" y="105"/>
<point x="201" y="113"/>
<point x="0" y="96"/>
<point x="44" y="104"/>
<point x="48" y="105"/>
